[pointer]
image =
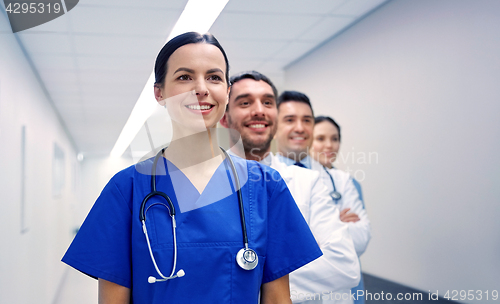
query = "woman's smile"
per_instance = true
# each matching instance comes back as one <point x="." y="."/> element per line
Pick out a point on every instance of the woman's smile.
<point x="203" y="108"/>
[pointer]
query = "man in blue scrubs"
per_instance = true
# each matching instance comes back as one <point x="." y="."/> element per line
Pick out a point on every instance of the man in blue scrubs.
<point x="252" y="111"/>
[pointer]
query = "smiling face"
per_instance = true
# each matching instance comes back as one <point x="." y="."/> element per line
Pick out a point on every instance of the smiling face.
<point x="295" y="129"/>
<point x="326" y="143"/>
<point x="252" y="112"/>
<point x="195" y="91"/>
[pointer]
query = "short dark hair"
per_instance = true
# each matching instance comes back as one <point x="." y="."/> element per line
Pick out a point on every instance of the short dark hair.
<point x="255" y="76"/>
<point x="319" y="119"/>
<point x="171" y="46"/>
<point x="288" y="96"/>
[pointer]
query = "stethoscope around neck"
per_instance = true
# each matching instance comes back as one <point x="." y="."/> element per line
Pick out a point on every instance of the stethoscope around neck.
<point x="334" y="194"/>
<point x="246" y="258"/>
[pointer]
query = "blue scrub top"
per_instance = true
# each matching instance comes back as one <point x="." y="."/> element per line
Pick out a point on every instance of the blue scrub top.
<point x="111" y="244"/>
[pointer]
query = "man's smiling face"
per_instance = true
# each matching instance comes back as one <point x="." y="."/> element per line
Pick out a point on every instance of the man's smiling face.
<point x="252" y="112"/>
<point x="295" y="129"/>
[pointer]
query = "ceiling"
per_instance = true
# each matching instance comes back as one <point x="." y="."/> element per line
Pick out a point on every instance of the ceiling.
<point x="95" y="60"/>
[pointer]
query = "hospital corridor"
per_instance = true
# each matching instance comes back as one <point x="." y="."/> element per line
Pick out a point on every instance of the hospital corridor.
<point x="412" y="86"/>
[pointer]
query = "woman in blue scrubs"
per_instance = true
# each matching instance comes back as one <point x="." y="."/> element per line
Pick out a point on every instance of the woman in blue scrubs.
<point x="192" y="83"/>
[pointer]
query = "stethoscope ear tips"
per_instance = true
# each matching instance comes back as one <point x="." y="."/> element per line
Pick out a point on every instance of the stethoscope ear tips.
<point x="180" y="273"/>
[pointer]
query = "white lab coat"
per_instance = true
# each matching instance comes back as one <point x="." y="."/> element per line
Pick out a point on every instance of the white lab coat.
<point x="338" y="268"/>
<point x="360" y="231"/>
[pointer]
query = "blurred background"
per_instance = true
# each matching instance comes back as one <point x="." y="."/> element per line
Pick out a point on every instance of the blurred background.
<point x="414" y="85"/>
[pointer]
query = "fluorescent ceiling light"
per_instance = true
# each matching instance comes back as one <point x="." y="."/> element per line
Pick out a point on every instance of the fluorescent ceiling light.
<point x="197" y="16"/>
<point x="143" y="108"/>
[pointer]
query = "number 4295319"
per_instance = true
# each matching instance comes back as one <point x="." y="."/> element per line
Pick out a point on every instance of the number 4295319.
<point x="455" y="295"/>
<point x="33" y="8"/>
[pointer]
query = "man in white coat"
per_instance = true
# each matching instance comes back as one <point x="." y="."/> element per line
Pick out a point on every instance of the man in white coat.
<point x="294" y="137"/>
<point x="252" y="112"/>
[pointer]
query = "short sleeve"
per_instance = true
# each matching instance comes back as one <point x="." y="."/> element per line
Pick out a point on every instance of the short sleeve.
<point x="291" y="243"/>
<point x="102" y="246"/>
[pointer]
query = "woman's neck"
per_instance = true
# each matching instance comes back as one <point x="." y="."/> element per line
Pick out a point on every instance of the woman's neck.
<point x="190" y="149"/>
<point x="328" y="165"/>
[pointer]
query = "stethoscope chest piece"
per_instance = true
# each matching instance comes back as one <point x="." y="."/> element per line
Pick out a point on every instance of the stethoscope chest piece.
<point x="247" y="258"/>
<point x="335" y="195"/>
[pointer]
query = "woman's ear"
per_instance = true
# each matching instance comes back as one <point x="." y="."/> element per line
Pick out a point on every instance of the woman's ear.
<point x="223" y="121"/>
<point x="159" y="95"/>
<point x="227" y="99"/>
<point x="228" y="92"/>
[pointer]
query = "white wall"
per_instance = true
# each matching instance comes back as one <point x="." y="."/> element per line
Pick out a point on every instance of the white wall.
<point x="96" y="171"/>
<point x="417" y="82"/>
<point x="30" y="267"/>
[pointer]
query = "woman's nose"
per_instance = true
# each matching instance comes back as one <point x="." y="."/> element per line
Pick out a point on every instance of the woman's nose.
<point x="201" y="89"/>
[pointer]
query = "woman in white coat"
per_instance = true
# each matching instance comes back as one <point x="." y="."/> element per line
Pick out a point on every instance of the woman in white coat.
<point x="345" y="191"/>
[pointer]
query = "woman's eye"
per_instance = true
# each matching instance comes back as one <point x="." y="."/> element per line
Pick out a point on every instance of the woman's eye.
<point x="183" y="77"/>
<point x="215" y="78"/>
